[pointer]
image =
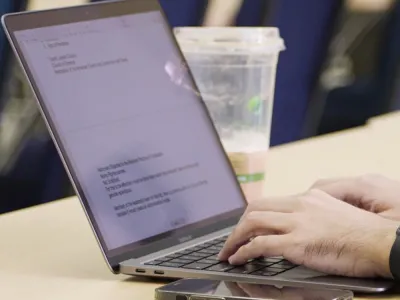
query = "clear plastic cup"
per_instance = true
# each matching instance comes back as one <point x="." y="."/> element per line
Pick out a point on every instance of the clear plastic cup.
<point x="235" y="69"/>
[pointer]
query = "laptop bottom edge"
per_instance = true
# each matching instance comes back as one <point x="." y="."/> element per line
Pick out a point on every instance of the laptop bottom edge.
<point x="297" y="277"/>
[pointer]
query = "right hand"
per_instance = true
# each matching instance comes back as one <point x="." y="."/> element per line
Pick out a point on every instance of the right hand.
<point x="373" y="193"/>
<point x="314" y="230"/>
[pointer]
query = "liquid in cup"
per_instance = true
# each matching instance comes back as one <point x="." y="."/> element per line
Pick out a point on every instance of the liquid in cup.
<point x="235" y="69"/>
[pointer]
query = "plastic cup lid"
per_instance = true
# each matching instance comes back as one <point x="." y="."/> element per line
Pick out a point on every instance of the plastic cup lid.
<point x="236" y="39"/>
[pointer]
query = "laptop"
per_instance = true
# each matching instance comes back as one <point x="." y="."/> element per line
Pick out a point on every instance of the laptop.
<point x="138" y="143"/>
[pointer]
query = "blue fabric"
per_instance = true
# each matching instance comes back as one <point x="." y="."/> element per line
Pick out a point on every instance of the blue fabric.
<point x="389" y="64"/>
<point x="251" y="13"/>
<point x="303" y="25"/>
<point x="6" y="6"/>
<point x="38" y="175"/>
<point x="28" y="181"/>
<point x="369" y="95"/>
<point x="184" y="12"/>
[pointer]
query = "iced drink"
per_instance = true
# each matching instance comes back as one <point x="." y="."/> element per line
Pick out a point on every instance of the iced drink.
<point x="235" y="69"/>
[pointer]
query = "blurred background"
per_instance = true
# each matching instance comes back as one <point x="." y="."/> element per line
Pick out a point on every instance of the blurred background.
<point x="340" y="68"/>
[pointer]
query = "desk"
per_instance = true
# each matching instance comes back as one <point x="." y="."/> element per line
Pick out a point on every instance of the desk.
<point x="46" y="4"/>
<point x="49" y="252"/>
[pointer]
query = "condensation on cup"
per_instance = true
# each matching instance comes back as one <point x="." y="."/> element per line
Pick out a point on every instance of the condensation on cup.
<point x="235" y="70"/>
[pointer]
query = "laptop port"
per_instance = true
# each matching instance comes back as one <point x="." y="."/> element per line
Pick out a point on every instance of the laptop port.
<point x="140" y="271"/>
<point x="159" y="272"/>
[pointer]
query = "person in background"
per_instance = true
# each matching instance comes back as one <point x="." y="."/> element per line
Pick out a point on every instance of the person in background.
<point x="220" y="13"/>
<point x="342" y="226"/>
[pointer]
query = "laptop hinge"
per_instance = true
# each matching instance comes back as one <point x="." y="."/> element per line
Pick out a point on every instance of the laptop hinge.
<point x="116" y="269"/>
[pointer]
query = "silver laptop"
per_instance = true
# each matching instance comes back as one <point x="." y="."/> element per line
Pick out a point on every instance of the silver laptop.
<point x="138" y="143"/>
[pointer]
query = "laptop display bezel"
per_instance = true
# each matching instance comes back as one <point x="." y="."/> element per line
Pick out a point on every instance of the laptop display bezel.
<point x="52" y="17"/>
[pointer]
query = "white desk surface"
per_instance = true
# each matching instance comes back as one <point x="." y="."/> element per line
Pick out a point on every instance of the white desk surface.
<point x="46" y="4"/>
<point x="49" y="252"/>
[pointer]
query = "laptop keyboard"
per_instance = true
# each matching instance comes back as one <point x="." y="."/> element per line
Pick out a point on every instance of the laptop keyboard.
<point x="204" y="257"/>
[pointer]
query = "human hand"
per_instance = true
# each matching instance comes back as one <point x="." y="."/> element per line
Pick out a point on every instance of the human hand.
<point x="373" y="193"/>
<point x="317" y="231"/>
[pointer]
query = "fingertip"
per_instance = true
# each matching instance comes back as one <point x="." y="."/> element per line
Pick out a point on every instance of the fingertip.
<point x="222" y="256"/>
<point x="235" y="260"/>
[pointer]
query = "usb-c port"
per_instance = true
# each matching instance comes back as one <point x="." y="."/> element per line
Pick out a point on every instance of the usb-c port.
<point x="159" y="272"/>
<point x="140" y="271"/>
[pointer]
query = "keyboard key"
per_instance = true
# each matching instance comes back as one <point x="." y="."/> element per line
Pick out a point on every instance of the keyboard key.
<point x="247" y="269"/>
<point x="276" y="268"/>
<point x="181" y="261"/>
<point x="221" y="239"/>
<point x="270" y="259"/>
<point x="213" y="257"/>
<point x="151" y="263"/>
<point x="271" y="269"/>
<point x="155" y="262"/>
<point x="171" y="256"/>
<point x="197" y="248"/>
<point x="197" y="266"/>
<point x="214" y="248"/>
<point x="219" y="244"/>
<point x="199" y="255"/>
<point x="209" y="244"/>
<point x="265" y="263"/>
<point x="208" y="261"/>
<point x="285" y="264"/>
<point x="221" y="267"/>
<point x="265" y="273"/>
<point x="171" y="264"/>
<point x="186" y="251"/>
<point x="208" y="251"/>
<point x="191" y="257"/>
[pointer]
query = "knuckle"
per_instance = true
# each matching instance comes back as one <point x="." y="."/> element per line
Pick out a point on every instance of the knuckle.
<point x="252" y="218"/>
<point x="312" y="196"/>
<point x="242" y="250"/>
<point x="257" y="242"/>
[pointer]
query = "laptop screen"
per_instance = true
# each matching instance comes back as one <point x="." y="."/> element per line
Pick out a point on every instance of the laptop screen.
<point x="133" y="129"/>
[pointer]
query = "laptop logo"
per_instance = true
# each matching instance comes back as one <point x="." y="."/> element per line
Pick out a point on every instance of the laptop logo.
<point x="185" y="238"/>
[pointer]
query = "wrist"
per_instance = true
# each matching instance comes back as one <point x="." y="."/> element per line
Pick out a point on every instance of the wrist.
<point x="381" y="249"/>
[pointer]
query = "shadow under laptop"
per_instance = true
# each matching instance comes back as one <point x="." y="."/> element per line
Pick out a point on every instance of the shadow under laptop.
<point x="152" y="280"/>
